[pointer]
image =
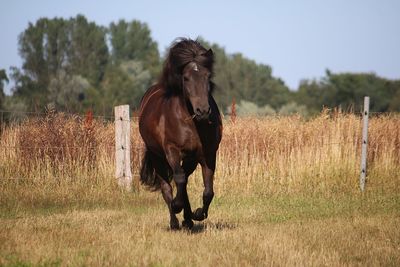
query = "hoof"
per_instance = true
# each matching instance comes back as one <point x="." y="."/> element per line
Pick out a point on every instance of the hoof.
<point x="199" y="215"/>
<point x="188" y="224"/>
<point x="176" y="206"/>
<point x="174" y="224"/>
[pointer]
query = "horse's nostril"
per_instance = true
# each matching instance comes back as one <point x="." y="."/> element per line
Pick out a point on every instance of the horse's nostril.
<point x="203" y="112"/>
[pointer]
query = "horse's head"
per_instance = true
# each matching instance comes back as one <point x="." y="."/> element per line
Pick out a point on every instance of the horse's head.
<point x="196" y="89"/>
<point x="187" y="72"/>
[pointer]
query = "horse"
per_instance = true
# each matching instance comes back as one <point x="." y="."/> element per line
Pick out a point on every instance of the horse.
<point x="181" y="127"/>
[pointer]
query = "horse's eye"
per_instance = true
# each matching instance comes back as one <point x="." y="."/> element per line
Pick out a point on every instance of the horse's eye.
<point x="185" y="79"/>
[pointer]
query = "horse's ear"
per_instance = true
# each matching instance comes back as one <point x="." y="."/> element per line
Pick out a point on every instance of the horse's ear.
<point x="209" y="53"/>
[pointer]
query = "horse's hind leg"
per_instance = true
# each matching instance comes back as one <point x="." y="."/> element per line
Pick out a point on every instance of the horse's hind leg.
<point x="161" y="168"/>
<point x="166" y="191"/>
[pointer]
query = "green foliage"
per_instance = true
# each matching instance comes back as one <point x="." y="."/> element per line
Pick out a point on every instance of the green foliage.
<point x="88" y="52"/>
<point x="293" y="108"/>
<point x="3" y="79"/>
<point x="27" y="90"/>
<point x="311" y="94"/>
<point x="243" y="79"/>
<point x="75" y="65"/>
<point x="247" y="108"/>
<point x="51" y="46"/>
<point x="122" y="84"/>
<point x="67" y="92"/>
<point x="67" y="63"/>
<point x="132" y="41"/>
<point x="347" y="90"/>
<point x="394" y="95"/>
<point x="15" y="104"/>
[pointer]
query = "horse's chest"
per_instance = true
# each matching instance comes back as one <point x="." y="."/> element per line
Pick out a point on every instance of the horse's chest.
<point x="190" y="140"/>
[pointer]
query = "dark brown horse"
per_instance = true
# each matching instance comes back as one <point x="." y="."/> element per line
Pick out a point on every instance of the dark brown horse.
<point x="181" y="127"/>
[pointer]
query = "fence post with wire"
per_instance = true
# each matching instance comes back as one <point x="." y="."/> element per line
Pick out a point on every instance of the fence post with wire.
<point x="123" y="147"/>
<point x="364" y="144"/>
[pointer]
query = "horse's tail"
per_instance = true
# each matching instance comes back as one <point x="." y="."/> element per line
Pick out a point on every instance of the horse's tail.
<point x="148" y="174"/>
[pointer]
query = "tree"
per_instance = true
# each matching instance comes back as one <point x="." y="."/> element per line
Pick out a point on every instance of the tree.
<point x="243" y="79"/>
<point x="347" y="91"/>
<point x="122" y="84"/>
<point x="67" y="62"/>
<point x="3" y="79"/>
<point x="132" y="41"/>
<point x="312" y="95"/>
<point x="88" y="52"/>
<point x="53" y="45"/>
<point x="67" y="92"/>
<point x="394" y="104"/>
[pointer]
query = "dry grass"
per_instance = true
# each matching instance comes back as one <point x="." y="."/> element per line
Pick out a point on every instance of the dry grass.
<point x="286" y="194"/>
<point x="291" y="155"/>
<point x="138" y="236"/>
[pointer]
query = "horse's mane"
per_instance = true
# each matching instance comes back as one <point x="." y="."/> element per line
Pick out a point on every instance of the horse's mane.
<point x="182" y="52"/>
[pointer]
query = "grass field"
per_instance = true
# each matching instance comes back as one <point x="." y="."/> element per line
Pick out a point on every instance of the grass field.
<point x="286" y="194"/>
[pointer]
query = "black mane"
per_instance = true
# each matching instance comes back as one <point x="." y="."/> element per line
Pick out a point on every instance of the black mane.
<point x="182" y="52"/>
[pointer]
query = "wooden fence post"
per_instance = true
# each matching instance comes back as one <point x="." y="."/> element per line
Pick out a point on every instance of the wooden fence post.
<point x="364" y="144"/>
<point x="123" y="147"/>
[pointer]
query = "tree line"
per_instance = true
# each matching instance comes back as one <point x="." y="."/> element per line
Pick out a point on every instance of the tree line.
<point x="75" y="65"/>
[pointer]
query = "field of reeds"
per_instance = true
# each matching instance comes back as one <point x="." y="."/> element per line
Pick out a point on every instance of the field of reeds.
<point x="286" y="193"/>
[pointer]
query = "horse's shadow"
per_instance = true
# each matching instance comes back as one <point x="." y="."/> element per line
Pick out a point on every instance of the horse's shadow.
<point x="202" y="227"/>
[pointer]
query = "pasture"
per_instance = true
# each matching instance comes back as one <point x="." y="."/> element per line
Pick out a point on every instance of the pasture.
<point x="286" y="193"/>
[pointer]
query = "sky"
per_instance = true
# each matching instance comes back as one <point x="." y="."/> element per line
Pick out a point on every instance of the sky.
<point x="299" y="39"/>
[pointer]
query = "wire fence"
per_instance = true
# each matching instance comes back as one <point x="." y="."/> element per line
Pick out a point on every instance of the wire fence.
<point x="38" y="113"/>
<point x="28" y="114"/>
<point x="139" y="150"/>
<point x="8" y="117"/>
<point x="133" y="118"/>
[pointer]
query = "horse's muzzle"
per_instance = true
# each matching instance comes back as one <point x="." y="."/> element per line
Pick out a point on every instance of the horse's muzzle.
<point x="202" y="114"/>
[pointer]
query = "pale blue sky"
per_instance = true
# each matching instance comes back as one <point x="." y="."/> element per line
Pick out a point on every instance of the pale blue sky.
<point x="298" y="39"/>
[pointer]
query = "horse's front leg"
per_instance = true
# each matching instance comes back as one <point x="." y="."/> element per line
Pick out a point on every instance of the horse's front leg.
<point x="174" y="158"/>
<point x="208" y="168"/>
<point x="188" y="165"/>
